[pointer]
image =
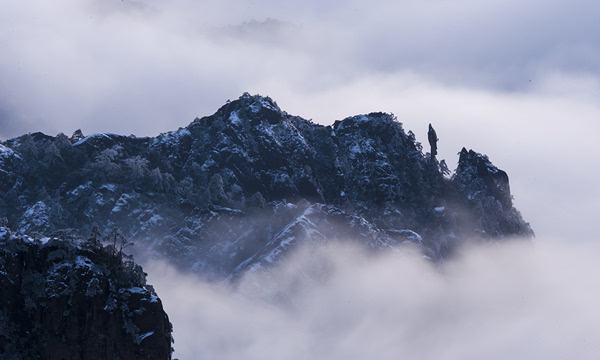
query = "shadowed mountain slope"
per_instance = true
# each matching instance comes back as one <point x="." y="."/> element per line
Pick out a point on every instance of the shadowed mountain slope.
<point x="239" y="189"/>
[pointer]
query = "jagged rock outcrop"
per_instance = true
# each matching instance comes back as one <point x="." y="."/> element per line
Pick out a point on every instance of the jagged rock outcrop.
<point x="225" y="193"/>
<point x="433" y="139"/>
<point x="485" y="191"/>
<point x="64" y="299"/>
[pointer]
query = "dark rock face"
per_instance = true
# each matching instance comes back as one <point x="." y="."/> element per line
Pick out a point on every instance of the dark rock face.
<point x="486" y="192"/>
<point x="433" y="139"/>
<point x="60" y="300"/>
<point x="242" y="187"/>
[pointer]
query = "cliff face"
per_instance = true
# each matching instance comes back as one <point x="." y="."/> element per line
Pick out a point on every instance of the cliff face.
<point x="239" y="189"/>
<point x="64" y="299"/>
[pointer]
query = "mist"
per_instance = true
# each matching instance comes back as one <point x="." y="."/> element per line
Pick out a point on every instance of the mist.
<point x="512" y="300"/>
<point x="148" y="66"/>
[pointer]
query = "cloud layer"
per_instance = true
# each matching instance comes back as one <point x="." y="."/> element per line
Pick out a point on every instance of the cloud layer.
<point x="149" y="66"/>
<point x="513" y="301"/>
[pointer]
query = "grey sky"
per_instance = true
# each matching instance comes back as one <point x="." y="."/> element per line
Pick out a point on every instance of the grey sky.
<point x="148" y="66"/>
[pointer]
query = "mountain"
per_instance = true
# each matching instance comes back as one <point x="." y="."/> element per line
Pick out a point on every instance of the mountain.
<point x="64" y="299"/>
<point x="239" y="189"/>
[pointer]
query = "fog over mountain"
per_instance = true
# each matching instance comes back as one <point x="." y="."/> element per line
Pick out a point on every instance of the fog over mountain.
<point x="445" y="293"/>
<point x="240" y="189"/>
<point x="514" y="301"/>
<point x="518" y="81"/>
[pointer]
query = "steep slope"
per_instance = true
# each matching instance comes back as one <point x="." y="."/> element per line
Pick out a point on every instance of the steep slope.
<point x="242" y="187"/>
<point x="64" y="300"/>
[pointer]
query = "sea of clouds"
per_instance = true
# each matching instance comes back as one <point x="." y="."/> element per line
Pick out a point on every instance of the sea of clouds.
<point x="515" y="300"/>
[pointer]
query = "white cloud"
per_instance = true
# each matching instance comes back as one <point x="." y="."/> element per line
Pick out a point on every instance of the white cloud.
<point x="513" y="301"/>
<point x="149" y="66"/>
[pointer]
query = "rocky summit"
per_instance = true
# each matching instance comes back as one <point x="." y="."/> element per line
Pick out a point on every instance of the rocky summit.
<point x="67" y="299"/>
<point x="240" y="189"/>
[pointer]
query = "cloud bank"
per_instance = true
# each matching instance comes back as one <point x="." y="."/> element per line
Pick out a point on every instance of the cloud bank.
<point x="510" y="301"/>
<point x="148" y="66"/>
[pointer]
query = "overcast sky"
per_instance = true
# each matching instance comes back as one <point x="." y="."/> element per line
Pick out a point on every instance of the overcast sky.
<point x="518" y="80"/>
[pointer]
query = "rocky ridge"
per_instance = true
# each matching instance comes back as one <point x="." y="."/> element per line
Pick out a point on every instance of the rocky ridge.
<point x="239" y="189"/>
<point x="62" y="298"/>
